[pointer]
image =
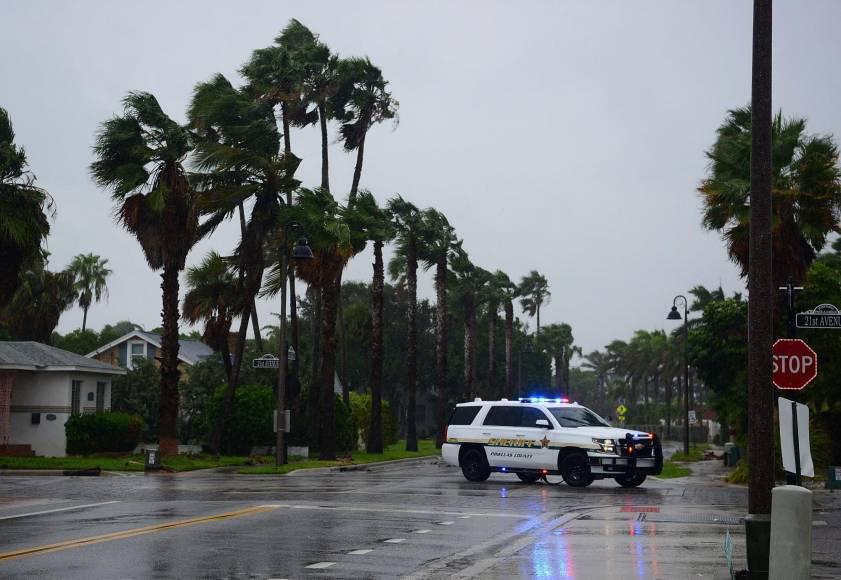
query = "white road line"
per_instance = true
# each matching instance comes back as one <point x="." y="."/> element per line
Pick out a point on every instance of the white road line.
<point x="421" y="531"/>
<point x="320" y="565"/>
<point x="445" y="523"/>
<point x="359" y="552"/>
<point x="64" y="509"/>
<point x="395" y="541"/>
<point x="464" y="517"/>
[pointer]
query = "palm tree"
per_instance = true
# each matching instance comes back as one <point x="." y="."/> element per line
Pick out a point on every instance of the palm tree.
<point x="38" y="302"/>
<point x="408" y="225"/>
<point x="238" y="156"/>
<point x="806" y="192"/>
<point x="212" y="297"/>
<point x="558" y="342"/>
<point x="439" y="241"/>
<point x="362" y="100"/>
<point x="507" y="294"/>
<point x="469" y="281"/>
<point x="377" y="224"/>
<point x="332" y="243"/>
<point x="24" y="212"/>
<point x="91" y="274"/>
<point x="139" y="158"/>
<point x="534" y="293"/>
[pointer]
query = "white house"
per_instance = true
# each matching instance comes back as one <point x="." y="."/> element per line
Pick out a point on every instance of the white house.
<point x="40" y="387"/>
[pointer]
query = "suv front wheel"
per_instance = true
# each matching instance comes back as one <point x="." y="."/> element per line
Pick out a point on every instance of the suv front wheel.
<point x="631" y="479"/>
<point x="575" y="469"/>
<point x="474" y="465"/>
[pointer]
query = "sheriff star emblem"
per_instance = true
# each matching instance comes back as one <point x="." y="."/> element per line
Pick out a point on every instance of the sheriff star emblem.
<point x="544" y="441"/>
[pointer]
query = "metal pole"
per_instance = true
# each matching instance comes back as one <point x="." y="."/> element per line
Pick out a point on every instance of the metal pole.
<point x="280" y="450"/>
<point x="685" y="378"/>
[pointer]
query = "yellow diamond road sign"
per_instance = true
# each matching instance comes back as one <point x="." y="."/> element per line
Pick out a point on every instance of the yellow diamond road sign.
<point x="621" y="410"/>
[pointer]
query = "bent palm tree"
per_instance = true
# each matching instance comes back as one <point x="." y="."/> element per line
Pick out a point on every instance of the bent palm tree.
<point x="139" y="158"/>
<point x="806" y="192"/>
<point x="91" y="274"/>
<point x="24" y="211"/>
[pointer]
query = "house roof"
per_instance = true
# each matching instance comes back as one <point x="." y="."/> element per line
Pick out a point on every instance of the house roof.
<point x="189" y="351"/>
<point x="34" y="356"/>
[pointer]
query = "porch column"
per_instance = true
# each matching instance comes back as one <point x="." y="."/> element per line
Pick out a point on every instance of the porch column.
<point x="6" y="381"/>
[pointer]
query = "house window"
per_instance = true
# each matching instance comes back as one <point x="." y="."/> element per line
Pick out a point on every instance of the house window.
<point x="100" y="397"/>
<point x="137" y="350"/>
<point x="75" y="397"/>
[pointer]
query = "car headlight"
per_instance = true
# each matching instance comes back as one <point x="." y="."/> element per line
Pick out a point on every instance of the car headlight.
<point x="606" y="445"/>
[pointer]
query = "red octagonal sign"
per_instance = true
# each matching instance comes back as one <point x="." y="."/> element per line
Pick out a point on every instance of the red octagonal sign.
<point x="795" y="364"/>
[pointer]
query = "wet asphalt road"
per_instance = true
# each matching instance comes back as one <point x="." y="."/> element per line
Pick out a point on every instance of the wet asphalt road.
<point x="419" y="519"/>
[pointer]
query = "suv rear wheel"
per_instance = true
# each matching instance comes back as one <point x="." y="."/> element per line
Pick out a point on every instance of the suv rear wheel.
<point x="528" y="477"/>
<point x="474" y="465"/>
<point x="631" y="479"/>
<point x="575" y="469"/>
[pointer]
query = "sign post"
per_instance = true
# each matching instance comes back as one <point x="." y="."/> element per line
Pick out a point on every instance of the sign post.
<point x="795" y="365"/>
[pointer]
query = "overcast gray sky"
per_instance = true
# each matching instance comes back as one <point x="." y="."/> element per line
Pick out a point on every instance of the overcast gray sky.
<point x="566" y="137"/>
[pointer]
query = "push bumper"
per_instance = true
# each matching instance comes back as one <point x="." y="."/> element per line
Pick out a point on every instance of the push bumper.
<point x="650" y="464"/>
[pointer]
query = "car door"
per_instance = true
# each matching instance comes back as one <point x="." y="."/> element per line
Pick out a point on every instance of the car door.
<point x="498" y="430"/>
<point x="542" y="454"/>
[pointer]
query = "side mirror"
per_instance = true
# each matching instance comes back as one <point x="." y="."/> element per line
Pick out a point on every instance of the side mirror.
<point x="543" y="423"/>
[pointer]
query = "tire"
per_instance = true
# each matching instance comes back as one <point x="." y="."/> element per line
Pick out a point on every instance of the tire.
<point x="575" y="469"/>
<point x="474" y="465"/>
<point x="528" y="477"/>
<point x="631" y="479"/>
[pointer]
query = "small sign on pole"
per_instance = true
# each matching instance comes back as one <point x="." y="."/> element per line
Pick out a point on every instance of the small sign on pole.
<point x="693" y="418"/>
<point x="287" y="421"/>
<point x="795" y="364"/>
<point x="267" y="361"/>
<point x="823" y="316"/>
<point x="794" y="439"/>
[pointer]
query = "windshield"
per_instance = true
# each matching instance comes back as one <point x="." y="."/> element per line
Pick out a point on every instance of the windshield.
<point x="577" y="417"/>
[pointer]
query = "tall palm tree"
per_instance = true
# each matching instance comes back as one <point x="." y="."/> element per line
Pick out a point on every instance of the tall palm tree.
<point x="439" y="241"/>
<point x="469" y="281"/>
<point x="362" y="100"/>
<point x="507" y="293"/>
<point x="408" y="225"/>
<point x="557" y="341"/>
<point x="806" y="192"/>
<point x="24" y="212"/>
<point x="497" y="293"/>
<point x="213" y="298"/>
<point x="238" y="157"/>
<point x="377" y="224"/>
<point x="139" y="158"/>
<point x="91" y="274"/>
<point x="534" y="293"/>
<point x="332" y="242"/>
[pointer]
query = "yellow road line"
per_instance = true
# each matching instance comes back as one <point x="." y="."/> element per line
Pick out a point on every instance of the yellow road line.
<point x="81" y="542"/>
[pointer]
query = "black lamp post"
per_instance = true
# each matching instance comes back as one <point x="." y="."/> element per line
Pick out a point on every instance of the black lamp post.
<point x="675" y="315"/>
<point x="301" y="251"/>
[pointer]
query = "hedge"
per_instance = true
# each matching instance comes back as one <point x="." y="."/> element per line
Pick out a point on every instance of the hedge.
<point x="102" y="432"/>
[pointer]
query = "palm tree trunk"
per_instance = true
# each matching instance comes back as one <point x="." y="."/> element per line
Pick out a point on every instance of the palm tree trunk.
<point x="441" y="347"/>
<point x="327" y="406"/>
<point x="668" y="397"/>
<point x="255" y="324"/>
<point x="294" y="384"/>
<point x="492" y="320"/>
<point x="168" y="417"/>
<point x="233" y="383"/>
<point x="375" y="430"/>
<point x="357" y="170"/>
<point x="343" y="352"/>
<point x="84" y="318"/>
<point x="325" y="165"/>
<point x="314" y="397"/>
<point x="412" y="354"/>
<point x="469" y="345"/>
<point x="537" y="312"/>
<point x="509" y="349"/>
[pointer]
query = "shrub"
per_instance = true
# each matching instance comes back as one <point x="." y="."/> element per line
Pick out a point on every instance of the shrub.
<point x="138" y="392"/>
<point x="250" y="422"/>
<point x="361" y="405"/>
<point x="102" y="432"/>
<point x="347" y="432"/>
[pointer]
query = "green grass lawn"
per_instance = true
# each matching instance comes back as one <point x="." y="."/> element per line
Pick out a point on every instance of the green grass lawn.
<point x="696" y="453"/>
<point x="426" y="448"/>
<point x="671" y="470"/>
<point x="121" y="463"/>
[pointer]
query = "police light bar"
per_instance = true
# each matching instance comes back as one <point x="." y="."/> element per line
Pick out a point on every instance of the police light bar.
<point x="544" y="400"/>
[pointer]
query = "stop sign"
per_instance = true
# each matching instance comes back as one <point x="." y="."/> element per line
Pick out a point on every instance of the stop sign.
<point x="795" y="364"/>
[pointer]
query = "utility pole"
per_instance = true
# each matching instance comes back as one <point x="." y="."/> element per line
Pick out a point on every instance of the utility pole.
<point x="760" y="302"/>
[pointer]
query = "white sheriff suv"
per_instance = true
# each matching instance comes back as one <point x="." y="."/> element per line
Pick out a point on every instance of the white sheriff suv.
<point x="535" y="437"/>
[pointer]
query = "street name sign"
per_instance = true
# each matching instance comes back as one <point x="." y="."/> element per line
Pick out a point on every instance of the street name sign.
<point x="795" y="364"/>
<point x="267" y="361"/>
<point x="823" y="316"/>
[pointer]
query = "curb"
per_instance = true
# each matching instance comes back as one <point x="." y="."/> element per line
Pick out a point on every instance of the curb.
<point x="374" y="466"/>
